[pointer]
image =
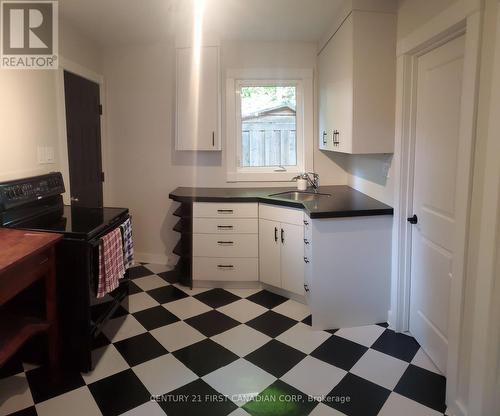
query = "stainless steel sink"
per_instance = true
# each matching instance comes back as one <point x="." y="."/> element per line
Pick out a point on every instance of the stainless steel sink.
<point x="301" y="195"/>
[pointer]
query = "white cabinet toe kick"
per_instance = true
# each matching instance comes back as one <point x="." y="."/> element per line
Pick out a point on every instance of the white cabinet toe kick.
<point x="339" y="266"/>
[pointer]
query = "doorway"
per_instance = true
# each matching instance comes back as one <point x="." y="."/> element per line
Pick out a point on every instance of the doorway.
<point x="83" y="128"/>
<point x="438" y="111"/>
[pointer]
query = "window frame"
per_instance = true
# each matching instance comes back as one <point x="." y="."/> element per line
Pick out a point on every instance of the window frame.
<point x="302" y="80"/>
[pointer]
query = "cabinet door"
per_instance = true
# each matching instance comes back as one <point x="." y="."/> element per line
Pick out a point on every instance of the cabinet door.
<point x="325" y="73"/>
<point x="292" y="258"/>
<point x="269" y="252"/>
<point x="197" y="112"/>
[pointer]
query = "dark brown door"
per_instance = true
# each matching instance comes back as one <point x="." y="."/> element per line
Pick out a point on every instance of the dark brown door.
<point x="83" y="126"/>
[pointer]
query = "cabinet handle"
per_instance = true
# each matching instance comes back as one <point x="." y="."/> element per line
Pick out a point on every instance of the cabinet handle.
<point x="213" y="139"/>
<point x="276" y="234"/>
<point x="306" y="260"/>
<point x="225" y="266"/>
<point x="306" y="287"/>
<point x="324" y="137"/>
<point x="306" y="222"/>
<point x="225" y="227"/>
<point x="282" y="236"/>
<point x="225" y="243"/>
<point x="225" y="211"/>
<point x="306" y="241"/>
<point x="336" y="140"/>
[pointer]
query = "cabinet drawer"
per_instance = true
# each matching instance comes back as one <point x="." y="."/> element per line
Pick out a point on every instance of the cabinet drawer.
<point x="226" y="269"/>
<point x="225" y="226"/>
<point x="286" y="215"/>
<point x="225" y="210"/>
<point x="234" y="245"/>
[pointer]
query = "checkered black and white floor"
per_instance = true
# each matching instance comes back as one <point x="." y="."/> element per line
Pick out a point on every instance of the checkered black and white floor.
<point x="214" y="352"/>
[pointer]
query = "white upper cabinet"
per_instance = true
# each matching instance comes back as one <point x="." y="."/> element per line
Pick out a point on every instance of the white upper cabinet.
<point x="198" y="99"/>
<point x="357" y="72"/>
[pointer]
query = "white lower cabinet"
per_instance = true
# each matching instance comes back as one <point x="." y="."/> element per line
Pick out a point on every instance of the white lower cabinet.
<point x="281" y="248"/>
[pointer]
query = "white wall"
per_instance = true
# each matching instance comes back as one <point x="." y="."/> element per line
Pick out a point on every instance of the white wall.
<point x="144" y="167"/>
<point x="28" y="110"/>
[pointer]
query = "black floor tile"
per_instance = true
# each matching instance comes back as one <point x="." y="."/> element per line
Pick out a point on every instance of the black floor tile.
<point x="205" y="356"/>
<point x="267" y="299"/>
<point x="170" y="276"/>
<point x="119" y="393"/>
<point x="275" y="357"/>
<point x="201" y="399"/>
<point x="29" y="411"/>
<point x="139" y="271"/>
<point x="100" y="341"/>
<point x="398" y="345"/>
<point x="216" y="298"/>
<point x="45" y="385"/>
<point x="280" y="399"/>
<point x="12" y="367"/>
<point x="355" y="396"/>
<point x="339" y="352"/>
<point x="155" y="317"/>
<point x="272" y="323"/>
<point x="307" y="320"/>
<point x="212" y="323"/>
<point x="133" y="288"/>
<point x="383" y="324"/>
<point x="97" y="311"/>
<point x="424" y="387"/>
<point x="140" y="348"/>
<point x="167" y="294"/>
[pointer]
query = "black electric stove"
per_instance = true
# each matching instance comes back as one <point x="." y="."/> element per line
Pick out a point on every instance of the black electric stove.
<point x="36" y="204"/>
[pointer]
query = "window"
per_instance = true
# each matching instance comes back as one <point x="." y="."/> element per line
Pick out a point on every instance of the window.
<point x="266" y="125"/>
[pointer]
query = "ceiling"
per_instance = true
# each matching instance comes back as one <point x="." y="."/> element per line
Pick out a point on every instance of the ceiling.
<point x="120" y="22"/>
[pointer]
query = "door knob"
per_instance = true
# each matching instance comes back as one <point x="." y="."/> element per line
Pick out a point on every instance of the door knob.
<point x="413" y="220"/>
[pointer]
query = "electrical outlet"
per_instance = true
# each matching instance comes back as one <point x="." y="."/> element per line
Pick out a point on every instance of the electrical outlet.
<point x="49" y="154"/>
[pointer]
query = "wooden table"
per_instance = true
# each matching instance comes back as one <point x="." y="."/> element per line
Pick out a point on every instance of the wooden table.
<point x="26" y="257"/>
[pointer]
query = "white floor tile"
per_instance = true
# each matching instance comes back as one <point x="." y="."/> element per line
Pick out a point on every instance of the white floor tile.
<point x="380" y="368"/>
<point x="78" y="402"/>
<point x="109" y="361"/>
<point x="164" y="374"/>
<point x="138" y="302"/>
<point x="303" y="337"/>
<point x="177" y="335"/>
<point x="146" y="409"/>
<point x="150" y="282"/>
<point x="314" y="377"/>
<point x="187" y="307"/>
<point x="421" y="359"/>
<point x="244" y="293"/>
<point x="241" y="340"/>
<point x="240" y="381"/>
<point x="243" y="310"/>
<point x="157" y="268"/>
<point x="293" y="309"/>
<point x="122" y="328"/>
<point x="364" y="335"/>
<point x="15" y="394"/>
<point x="324" y="410"/>
<point x="397" y="405"/>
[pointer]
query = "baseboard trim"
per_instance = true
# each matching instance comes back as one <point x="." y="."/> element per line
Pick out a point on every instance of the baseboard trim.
<point x="150" y="258"/>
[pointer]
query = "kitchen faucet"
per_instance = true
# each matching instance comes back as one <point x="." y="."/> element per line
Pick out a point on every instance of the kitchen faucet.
<point x="314" y="182"/>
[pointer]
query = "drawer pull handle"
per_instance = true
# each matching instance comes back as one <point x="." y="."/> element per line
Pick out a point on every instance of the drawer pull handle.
<point x="276" y="234"/>
<point x="225" y="243"/>
<point x="306" y="222"/>
<point x="306" y="288"/>
<point x="225" y="211"/>
<point x="282" y="236"/>
<point x="306" y="260"/>
<point x="306" y="241"/>
<point x="225" y="227"/>
<point x="225" y="266"/>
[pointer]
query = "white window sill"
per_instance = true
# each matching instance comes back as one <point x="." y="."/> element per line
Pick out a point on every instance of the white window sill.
<point x="261" y="176"/>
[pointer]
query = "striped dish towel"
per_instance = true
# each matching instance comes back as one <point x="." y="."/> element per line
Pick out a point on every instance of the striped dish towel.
<point x="128" y="243"/>
<point x="111" y="267"/>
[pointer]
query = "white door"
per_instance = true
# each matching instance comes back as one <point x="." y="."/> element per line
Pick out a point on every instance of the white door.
<point x="437" y="134"/>
<point x="197" y="113"/>
<point x="292" y="258"/>
<point x="269" y="252"/>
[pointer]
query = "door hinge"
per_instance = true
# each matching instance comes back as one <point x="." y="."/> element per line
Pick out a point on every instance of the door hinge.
<point x="102" y="176"/>
<point x="100" y="109"/>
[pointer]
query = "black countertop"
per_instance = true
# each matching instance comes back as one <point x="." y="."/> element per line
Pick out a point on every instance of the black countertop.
<point x="343" y="202"/>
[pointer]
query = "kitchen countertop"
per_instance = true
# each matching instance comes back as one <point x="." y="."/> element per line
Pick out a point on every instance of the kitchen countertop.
<point x="343" y="202"/>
